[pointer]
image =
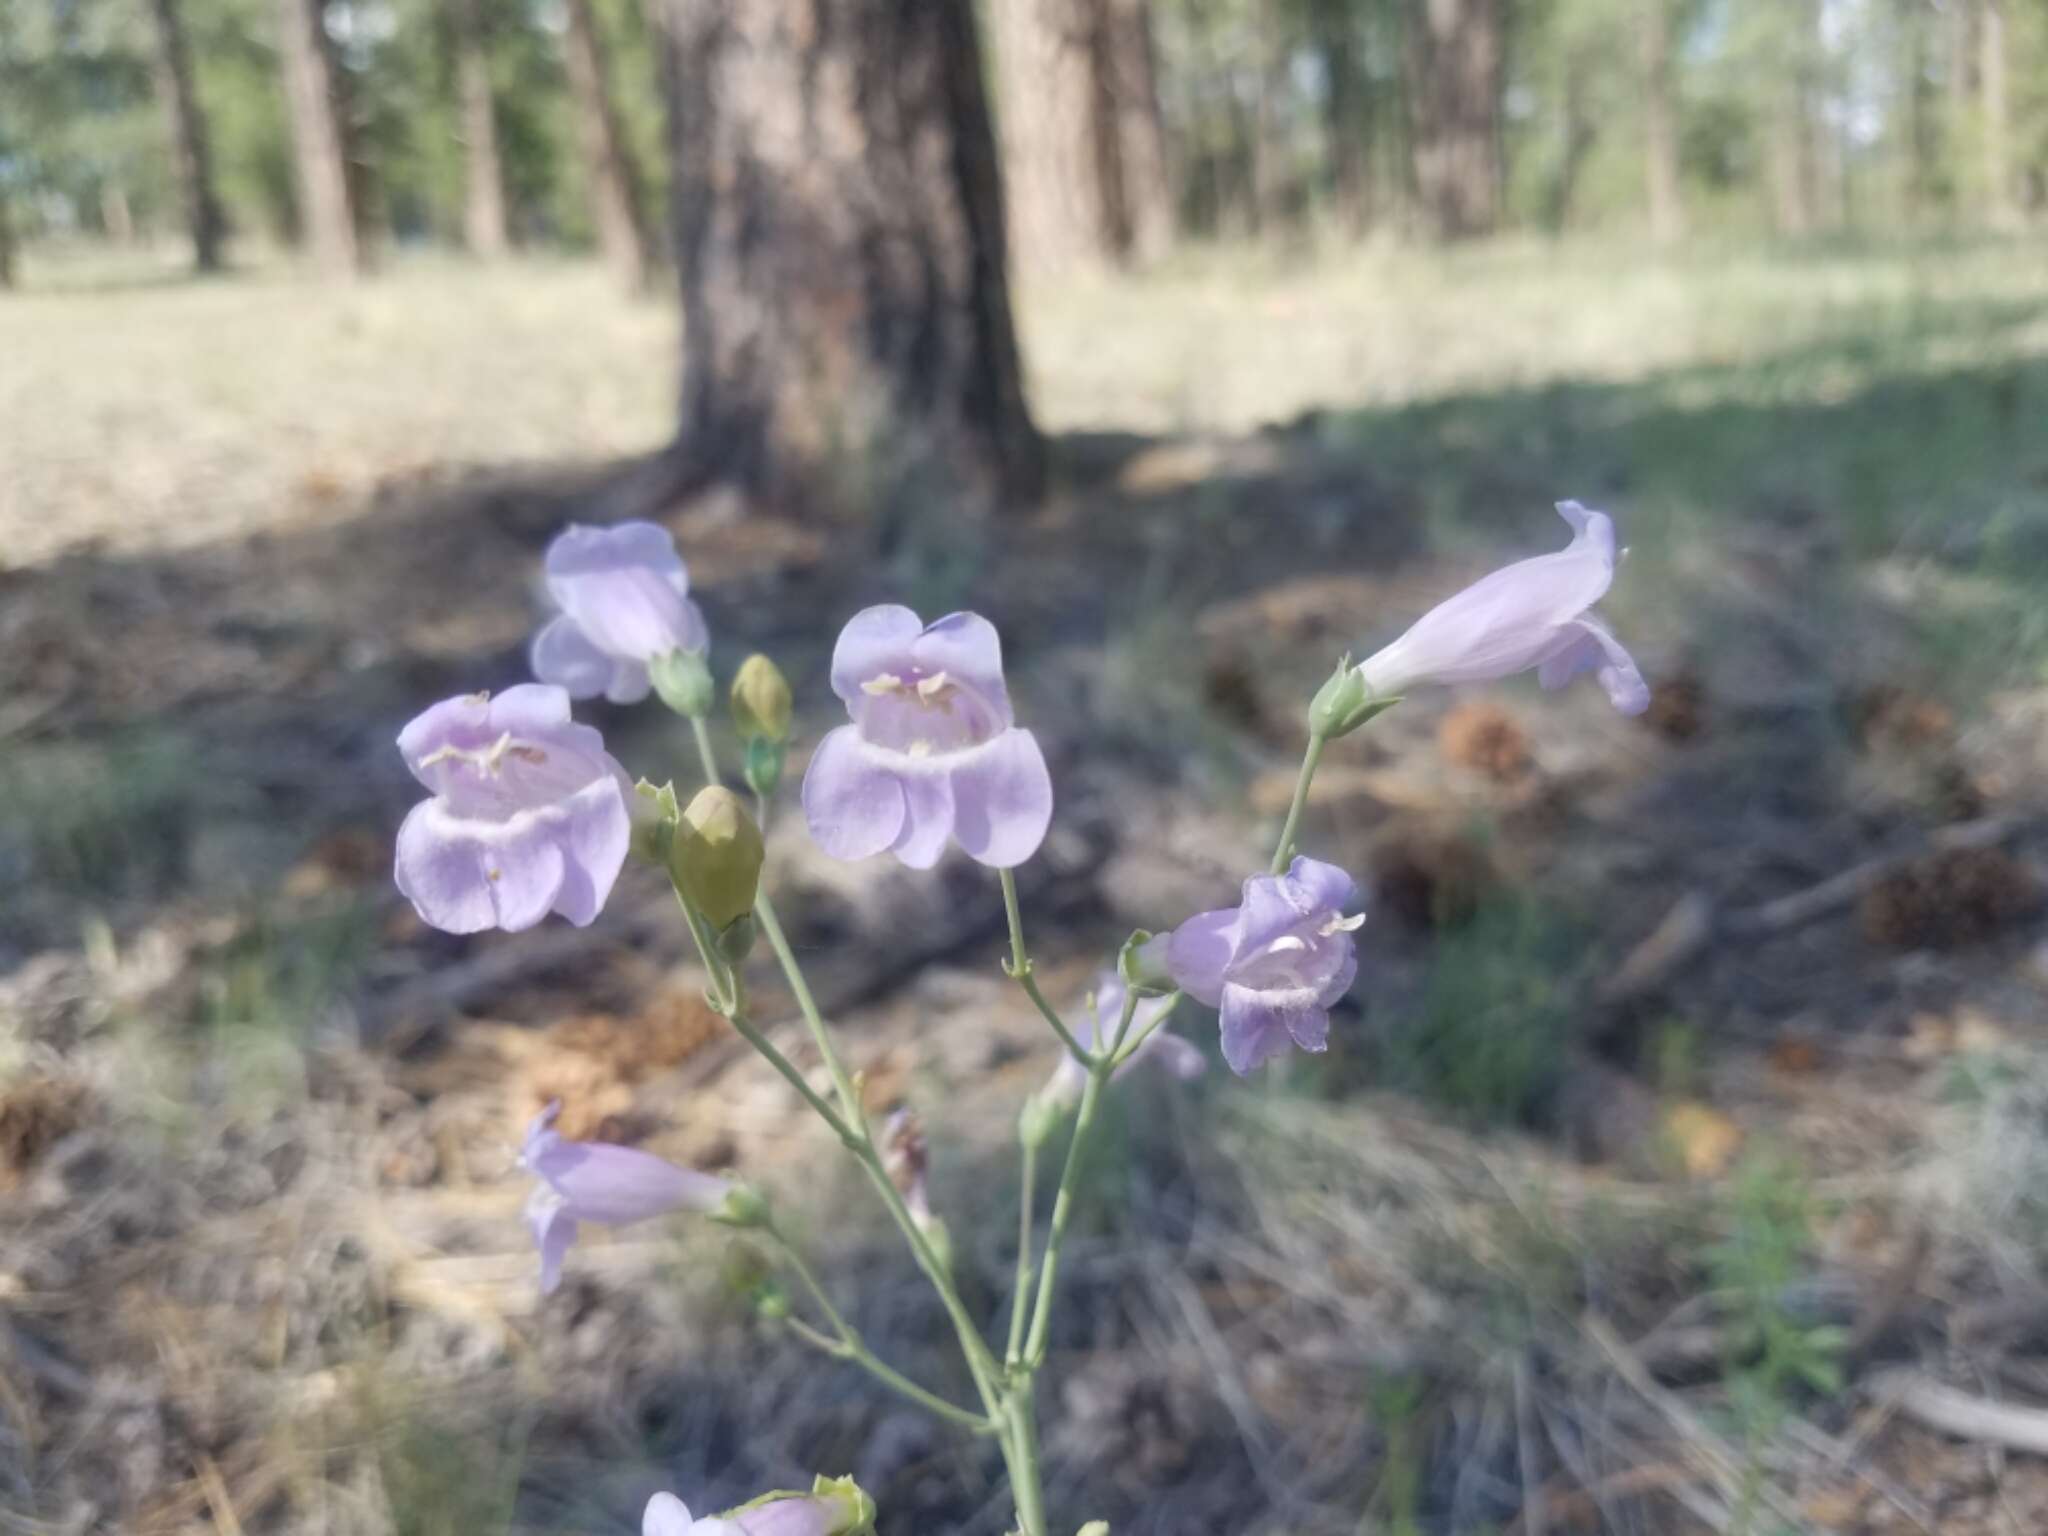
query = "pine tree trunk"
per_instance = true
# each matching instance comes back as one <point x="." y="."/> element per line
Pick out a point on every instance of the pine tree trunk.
<point x="1345" y="131"/>
<point x="1456" y="56"/>
<point x="1997" y="115"/>
<point x="839" y="229"/>
<point x="319" y="148"/>
<point x="484" y="227"/>
<point x="1661" y="182"/>
<point x="191" y="148"/>
<point x="1082" y="137"/>
<point x="607" y="157"/>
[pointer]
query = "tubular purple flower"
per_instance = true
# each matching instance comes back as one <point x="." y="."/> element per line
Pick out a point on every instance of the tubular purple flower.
<point x="1162" y="1049"/>
<point x="530" y="814"/>
<point x="593" y="1181"/>
<point x="933" y="752"/>
<point x="1530" y="615"/>
<point x="1275" y="964"/>
<point x="797" y="1515"/>
<point x="625" y="600"/>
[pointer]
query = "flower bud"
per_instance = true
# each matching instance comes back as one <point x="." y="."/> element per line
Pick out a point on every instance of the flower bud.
<point x="760" y="701"/>
<point x="653" y="812"/>
<point x="743" y="1207"/>
<point x="856" y="1511"/>
<point x="683" y="679"/>
<point x="1344" y="703"/>
<point x="1042" y="1114"/>
<point x="763" y="768"/>
<point x="1142" y="964"/>
<point x="715" y="859"/>
<point x="1095" y="1528"/>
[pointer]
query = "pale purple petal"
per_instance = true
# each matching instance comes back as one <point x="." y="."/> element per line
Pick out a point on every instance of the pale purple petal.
<point x="1198" y="953"/>
<point x="1320" y="887"/>
<point x="1339" y="983"/>
<point x="1002" y="797"/>
<point x="630" y="682"/>
<point x="852" y="799"/>
<point x="554" y="1233"/>
<point x="563" y="655"/>
<point x="965" y="647"/>
<point x="1590" y="646"/>
<point x="874" y="641"/>
<point x="627" y="590"/>
<point x="927" y="787"/>
<point x="1259" y="1025"/>
<point x="464" y="875"/>
<point x="615" y="1186"/>
<point x="666" y="1515"/>
<point x="790" y="1517"/>
<point x="595" y="836"/>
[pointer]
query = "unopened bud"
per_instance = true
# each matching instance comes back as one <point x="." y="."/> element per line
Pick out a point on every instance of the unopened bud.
<point x="763" y="769"/>
<point x="1344" y="703"/>
<point x="1095" y="1528"/>
<point x="854" y="1510"/>
<point x="715" y="859"/>
<point x="1042" y="1114"/>
<point x="743" y="1207"/>
<point x="683" y="679"/>
<point x="653" y="814"/>
<point x="760" y="701"/>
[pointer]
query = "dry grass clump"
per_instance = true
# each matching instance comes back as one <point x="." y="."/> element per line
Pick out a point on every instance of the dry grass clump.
<point x="1953" y="897"/>
<point x="1482" y="736"/>
<point x="1678" y="706"/>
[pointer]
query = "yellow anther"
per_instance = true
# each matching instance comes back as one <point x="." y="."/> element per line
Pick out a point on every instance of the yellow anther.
<point x="881" y="687"/>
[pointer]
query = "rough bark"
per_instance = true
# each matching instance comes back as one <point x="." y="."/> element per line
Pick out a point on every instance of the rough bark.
<point x="1661" y="184"/>
<point x="485" y="229"/>
<point x="1346" y="132"/>
<point x="840" y="235"/>
<point x="319" y="146"/>
<point x="1083" y="144"/>
<point x="191" y="146"/>
<point x="608" y="163"/>
<point x="1455" y="59"/>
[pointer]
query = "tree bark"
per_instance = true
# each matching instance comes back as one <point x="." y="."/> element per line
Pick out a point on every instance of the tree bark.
<point x="1345" y="132"/>
<point x="607" y="158"/>
<point x="1082" y="136"/>
<point x="191" y="146"/>
<point x="1456" y="55"/>
<point x="484" y="226"/>
<point x="319" y="146"/>
<point x="1997" y="114"/>
<point x="840" y="234"/>
<point x="1661" y="180"/>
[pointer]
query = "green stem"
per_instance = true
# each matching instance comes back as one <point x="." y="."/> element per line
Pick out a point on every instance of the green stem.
<point x="1130" y="1047"/>
<point x="1309" y="759"/>
<point x="705" y="756"/>
<point x="847" y="1344"/>
<point x="1020" y="1299"/>
<point x="1019" y="969"/>
<point x="1025" y="1482"/>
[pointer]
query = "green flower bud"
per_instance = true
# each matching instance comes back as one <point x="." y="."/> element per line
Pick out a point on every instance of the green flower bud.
<point x="743" y="1207"/>
<point x="1095" y="1528"/>
<point x="653" y="813"/>
<point x="1040" y="1117"/>
<point x="771" y="1304"/>
<point x="764" y="765"/>
<point x="715" y="859"/>
<point x="858" y="1518"/>
<point x="760" y="701"/>
<point x="683" y="679"/>
<point x="1344" y="703"/>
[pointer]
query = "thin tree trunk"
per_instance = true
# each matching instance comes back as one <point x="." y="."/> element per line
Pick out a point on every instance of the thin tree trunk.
<point x="1792" y="154"/>
<point x="319" y="147"/>
<point x="1913" y="125"/>
<point x="1273" y="178"/>
<point x="1576" y="127"/>
<point x="839" y="229"/>
<point x="1997" y="115"/>
<point x="1661" y="180"/>
<point x="1456" y="58"/>
<point x="607" y="157"/>
<point x="1344" y="127"/>
<point x="1131" y="61"/>
<point x="484" y="225"/>
<point x="191" y="147"/>
<point x="7" y="241"/>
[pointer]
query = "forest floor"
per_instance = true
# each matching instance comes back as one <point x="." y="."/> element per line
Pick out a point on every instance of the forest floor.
<point x="1680" y="1162"/>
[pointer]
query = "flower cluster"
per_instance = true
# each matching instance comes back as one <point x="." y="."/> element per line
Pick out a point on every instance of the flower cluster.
<point x="528" y="814"/>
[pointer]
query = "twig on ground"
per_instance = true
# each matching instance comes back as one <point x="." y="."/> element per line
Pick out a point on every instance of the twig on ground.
<point x="1940" y="1407"/>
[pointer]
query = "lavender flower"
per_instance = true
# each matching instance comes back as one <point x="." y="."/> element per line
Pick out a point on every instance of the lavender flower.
<point x="1161" y="1049"/>
<point x="612" y="1186"/>
<point x="530" y="814"/>
<point x="625" y="601"/>
<point x="933" y="751"/>
<point x="1532" y="614"/>
<point x="1275" y="963"/>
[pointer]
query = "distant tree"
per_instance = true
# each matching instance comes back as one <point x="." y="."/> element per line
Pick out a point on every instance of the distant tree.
<point x="1083" y="142"/>
<point x="1347" y="123"/>
<point x="1661" y="180"/>
<point x="611" y="173"/>
<point x="326" y="202"/>
<point x="191" y="144"/>
<point x="6" y="237"/>
<point x="484" y="226"/>
<point x="840" y="233"/>
<point x="1995" y="87"/>
<point x="1456" y="59"/>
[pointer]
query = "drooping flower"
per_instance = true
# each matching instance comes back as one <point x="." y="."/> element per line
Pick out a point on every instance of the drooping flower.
<point x="612" y="1186"/>
<point x="1533" y="614"/>
<point x="1274" y="964"/>
<point x="625" y="601"/>
<point x="1161" y="1049"/>
<point x="530" y="814"/>
<point x="834" y="1507"/>
<point x="933" y="751"/>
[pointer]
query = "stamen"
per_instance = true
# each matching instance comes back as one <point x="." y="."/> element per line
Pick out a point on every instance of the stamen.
<point x="488" y="758"/>
<point x="882" y="686"/>
<point x="920" y="748"/>
<point x="1286" y="943"/>
<point x="930" y="688"/>
<point x="1343" y="925"/>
